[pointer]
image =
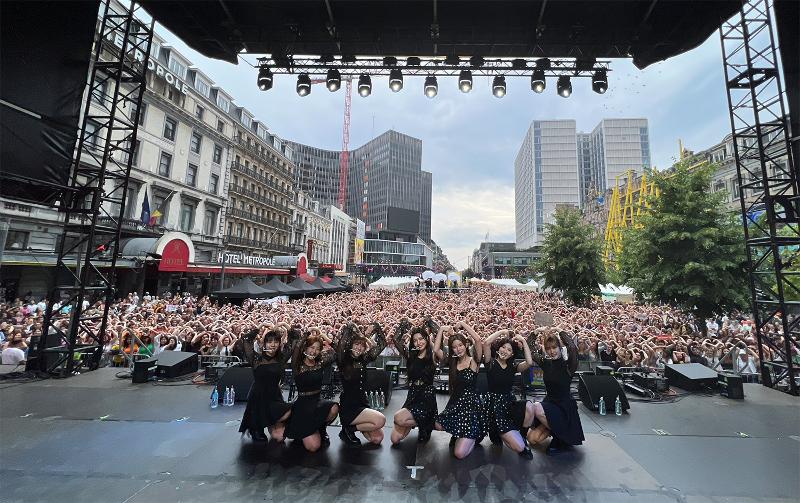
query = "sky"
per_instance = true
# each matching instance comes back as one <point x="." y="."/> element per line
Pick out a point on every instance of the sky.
<point x="470" y="140"/>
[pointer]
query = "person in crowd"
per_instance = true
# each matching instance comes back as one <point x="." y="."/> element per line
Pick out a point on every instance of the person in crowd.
<point x="508" y="417"/>
<point x="463" y="417"/>
<point x="355" y="351"/>
<point x="419" y="410"/>
<point x="14" y="349"/>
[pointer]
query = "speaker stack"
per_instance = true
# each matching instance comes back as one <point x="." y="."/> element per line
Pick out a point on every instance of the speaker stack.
<point x="592" y="387"/>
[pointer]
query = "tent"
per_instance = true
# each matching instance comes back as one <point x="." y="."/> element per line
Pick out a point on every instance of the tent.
<point x="304" y="288"/>
<point x="278" y="287"/>
<point x="614" y="293"/>
<point x="393" y="283"/>
<point x="512" y="283"/>
<point x="325" y="287"/>
<point x="428" y="274"/>
<point x="244" y="289"/>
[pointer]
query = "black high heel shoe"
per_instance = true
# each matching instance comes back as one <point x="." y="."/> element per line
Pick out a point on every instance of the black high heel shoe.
<point x="325" y="440"/>
<point x="257" y="434"/>
<point x="424" y="435"/>
<point x="348" y="435"/>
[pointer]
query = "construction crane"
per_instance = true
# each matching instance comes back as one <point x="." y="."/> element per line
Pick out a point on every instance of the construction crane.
<point x="344" y="159"/>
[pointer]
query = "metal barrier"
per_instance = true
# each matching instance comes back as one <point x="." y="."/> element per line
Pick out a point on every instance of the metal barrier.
<point x="208" y="360"/>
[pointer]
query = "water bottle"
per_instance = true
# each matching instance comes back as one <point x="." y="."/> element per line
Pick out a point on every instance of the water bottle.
<point x="233" y="397"/>
<point x="602" y="406"/>
<point x="371" y="399"/>
<point x="381" y="401"/>
<point x="618" y="406"/>
<point x="214" y="398"/>
<point x="227" y="397"/>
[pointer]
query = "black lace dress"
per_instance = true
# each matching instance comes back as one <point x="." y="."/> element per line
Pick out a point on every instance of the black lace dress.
<point x="309" y="411"/>
<point x="265" y="403"/>
<point x="559" y="407"/>
<point x="353" y="399"/>
<point x="505" y="413"/>
<point x="421" y="399"/>
<point x="463" y="416"/>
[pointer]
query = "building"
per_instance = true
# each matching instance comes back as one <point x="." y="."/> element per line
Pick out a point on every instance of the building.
<point x="339" y="239"/>
<point x="545" y="176"/>
<point x="502" y="260"/>
<point x="440" y="261"/>
<point x="387" y="187"/>
<point x="388" y="254"/>
<point x="311" y="228"/>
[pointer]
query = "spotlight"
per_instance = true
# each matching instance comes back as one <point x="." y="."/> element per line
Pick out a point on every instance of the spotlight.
<point x="364" y="85"/>
<point x="303" y="84"/>
<point x="264" y="79"/>
<point x="564" y="86"/>
<point x="465" y="81"/>
<point x="499" y="86"/>
<point x="431" y="86"/>
<point x="333" y="80"/>
<point x="600" y="82"/>
<point x="396" y="80"/>
<point x="538" y="82"/>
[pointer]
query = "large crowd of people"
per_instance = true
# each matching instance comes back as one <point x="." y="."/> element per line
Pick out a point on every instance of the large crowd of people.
<point x="480" y="325"/>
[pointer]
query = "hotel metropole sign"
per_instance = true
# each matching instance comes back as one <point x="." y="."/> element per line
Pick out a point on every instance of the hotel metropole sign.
<point x="152" y="65"/>
<point x="242" y="259"/>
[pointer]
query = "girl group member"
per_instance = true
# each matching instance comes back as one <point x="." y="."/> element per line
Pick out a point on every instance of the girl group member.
<point x="462" y="417"/>
<point x="557" y="414"/>
<point x="419" y="409"/>
<point x="266" y="407"/>
<point x="507" y="415"/>
<point x="355" y="350"/>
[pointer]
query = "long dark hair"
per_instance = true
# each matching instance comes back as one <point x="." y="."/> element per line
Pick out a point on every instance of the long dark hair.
<point x="272" y="335"/>
<point x="346" y="359"/>
<point x="424" y="333"/>
<point x="453" y="360"/>
<point x="297" y="354"/>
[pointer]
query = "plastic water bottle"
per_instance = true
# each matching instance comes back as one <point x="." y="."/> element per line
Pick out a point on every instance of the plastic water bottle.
<point x="602" y="406"/>
<point x="233" y="397"/>
<point x="227" y="397"/>
<point x="618" y="406"/>
<point x="381" y="401"/>
<point x="214" y="398"/>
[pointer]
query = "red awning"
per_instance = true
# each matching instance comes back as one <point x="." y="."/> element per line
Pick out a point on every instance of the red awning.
<point x="307" y="278"/>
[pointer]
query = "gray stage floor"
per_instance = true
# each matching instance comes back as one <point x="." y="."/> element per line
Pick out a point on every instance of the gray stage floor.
<point x="97" y="438"/>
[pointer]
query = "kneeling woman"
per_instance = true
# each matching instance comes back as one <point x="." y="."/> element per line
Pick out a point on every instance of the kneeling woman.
<point x="557" y="414"/>
<point x="310" y="415"/>
<point x="507" y="415"/>
<point x="266" y="407"/>
<point x="462" y="417"/>
<point x="355" y="351"/>
<point x="419" y="409"/>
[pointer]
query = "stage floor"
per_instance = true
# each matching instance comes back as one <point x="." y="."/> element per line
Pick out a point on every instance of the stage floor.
<point x="97" y="438"/>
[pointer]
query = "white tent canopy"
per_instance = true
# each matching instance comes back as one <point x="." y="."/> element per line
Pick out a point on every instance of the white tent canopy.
<point x="512" y="283"/>
<point x="612" y="292"/>
<point x="393" y="282"/>
<point x="428" y="274"/>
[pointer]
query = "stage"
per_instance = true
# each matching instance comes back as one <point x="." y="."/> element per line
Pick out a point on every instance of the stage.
<point x="97" y="438"/>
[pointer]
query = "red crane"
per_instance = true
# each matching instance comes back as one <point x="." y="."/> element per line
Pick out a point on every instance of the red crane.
<point x="344" y="159"/>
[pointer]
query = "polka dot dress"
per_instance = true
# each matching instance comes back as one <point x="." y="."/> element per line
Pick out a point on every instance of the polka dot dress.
<point x="463" y="417"/>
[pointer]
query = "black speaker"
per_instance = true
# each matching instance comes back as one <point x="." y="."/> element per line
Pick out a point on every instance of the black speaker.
<point x="592" y="387"/>
<point x="144" y="369"/>
<point x="690" y="376"/>
<point x="730" y="385"/>
<point x="241" y="378"/>
<point x="378" y="380"/>
<point x="175" y="364"/>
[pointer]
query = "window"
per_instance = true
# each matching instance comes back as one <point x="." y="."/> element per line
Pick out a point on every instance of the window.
<point x="198" y="112"/>
<point x="210" y="223"/>
<point x="161" y="205"/>
<point x="202" y="87"/>
<point x="91" y="136"/>
<point x="213" y="184"/>
<point x="187" y="217"/>
<point x="130" y="202"/>
<point x="220" y="126"/>
<point x="17" y="240"/>
<point x="164" y="164"/>
<point x="223" y="103"/>
<point x="247" y="121"/>
<point x="177" y="68"/>
<point x="191" y="175"/>
<point x="142" y="113"/>
<point x="194" y="143"/>
<point x="170" y="125"/>
<point x="99" y="91"/>
<point x="217" y="157"/>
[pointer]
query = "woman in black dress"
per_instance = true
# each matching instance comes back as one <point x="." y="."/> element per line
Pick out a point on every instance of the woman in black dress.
<point x="311" y="415"/>
<point x="354" y="352"/>
<point x="463" y="416"/>
<point x="419" y="409"/>
<point x="507" y="416"/>
<point x="266" y="407"/>
<point x="557" y="414"/>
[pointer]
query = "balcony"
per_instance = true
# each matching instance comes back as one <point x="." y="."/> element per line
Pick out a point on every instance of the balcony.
<point x="246" y="170"/>
<point x="299" y="226"/>
<point x="231" y="240"/>
<point x="236" y="212"/>
<point x="238" y="189"/>
<point x="253" y="150"/>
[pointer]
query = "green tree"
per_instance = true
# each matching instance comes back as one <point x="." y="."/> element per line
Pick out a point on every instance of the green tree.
<point x="571" y="260"/>
<point x="689" y="250"/>
<point x="467" y="273"/>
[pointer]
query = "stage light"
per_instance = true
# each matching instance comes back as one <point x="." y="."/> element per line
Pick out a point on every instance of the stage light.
<point x="564" y="86"/>
<point x="396" y="80"/>
<point x="465" y="81"/>
<point x="600" y="82"/>
<point x="264" y="79"/>
<point x="499" y="86"/>
<point x="333" y="80"/>
<point x="538" y="81"/>
<point x="364" y="85"/>
<point x="431" y="86"/>
<point x="303" y="84"/>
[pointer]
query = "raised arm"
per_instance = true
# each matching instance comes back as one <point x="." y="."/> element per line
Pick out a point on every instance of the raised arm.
<point x="533" y="346"/>
<point x="399" y="337"/>
<point x="378" y="345"/>
<point x="528" y="363"/>
<point x="487" y="345"/>
<point x="572" y="352"/>
<point x="438" y="354"/>
<point x="345" y="339"/>
<point x="476" y="341"/>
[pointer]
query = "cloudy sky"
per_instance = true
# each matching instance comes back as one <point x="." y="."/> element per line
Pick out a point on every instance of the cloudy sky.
<point x="470" y="140"/>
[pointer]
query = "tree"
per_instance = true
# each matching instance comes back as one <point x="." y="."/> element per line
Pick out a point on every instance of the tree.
<point x="468" y="273"/>
<point x="571" y="260"/>
<point x="689" y="249"/>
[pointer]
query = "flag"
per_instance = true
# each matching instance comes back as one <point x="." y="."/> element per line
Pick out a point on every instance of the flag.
<point x="145" y="216"/>
<point x="154" y="217"/>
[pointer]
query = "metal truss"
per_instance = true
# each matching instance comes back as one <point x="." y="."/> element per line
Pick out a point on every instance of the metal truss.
<point x="94" y="202"/>
<point x="433" y="66"/>
<point x="766" y="171"/>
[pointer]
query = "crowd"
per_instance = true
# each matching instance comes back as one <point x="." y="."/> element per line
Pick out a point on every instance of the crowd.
<point x="619" y="334"/>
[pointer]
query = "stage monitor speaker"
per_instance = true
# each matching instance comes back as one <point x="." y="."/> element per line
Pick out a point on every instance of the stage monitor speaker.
<point x="603" y="370"/>
<point x="592" y="387"/>
<point x="173" y="364"/>
<point x="690" y="376"/>
<point x="144" y="369"/>
<point x="241" y="378"/>
<point x="378" y="380"/>
<point x="730" y="385"/>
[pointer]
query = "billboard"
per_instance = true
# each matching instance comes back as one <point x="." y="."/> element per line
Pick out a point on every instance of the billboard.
<point x="402" y="220"/>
